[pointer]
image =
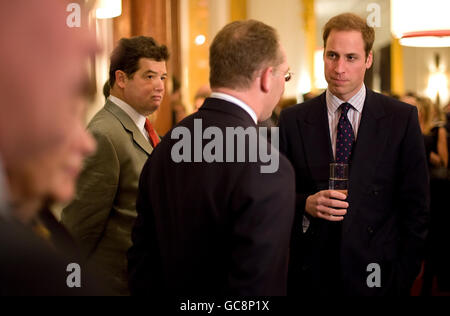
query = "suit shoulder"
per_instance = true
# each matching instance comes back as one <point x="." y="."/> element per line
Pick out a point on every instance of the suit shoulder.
<point x="102" y="119"/>
<point x="104" y="123"/>
<point x="301" y="108"/>
<point x="392" y="105"/>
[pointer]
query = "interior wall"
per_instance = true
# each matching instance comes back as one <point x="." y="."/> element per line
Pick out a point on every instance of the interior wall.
<point x="419" y="63"/>
<point x="286" y="17"/>
<point x="104" y="31"/>
<point x="196" y="19"/>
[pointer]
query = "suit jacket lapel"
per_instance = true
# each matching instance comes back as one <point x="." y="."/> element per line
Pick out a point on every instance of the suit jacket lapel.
<point x="316" y="137"/>
<point x="130" y="126"/>
<point x="370" y="142"/>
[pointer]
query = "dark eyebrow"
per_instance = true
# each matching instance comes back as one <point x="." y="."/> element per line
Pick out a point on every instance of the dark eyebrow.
<point x="347" y="55"/>
<point x="154" y="72"/>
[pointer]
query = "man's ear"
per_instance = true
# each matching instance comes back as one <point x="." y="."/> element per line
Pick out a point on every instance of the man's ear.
<point x="266" y="79"/>
<point x="369" y="60"/>
<point x="121" y="78"/>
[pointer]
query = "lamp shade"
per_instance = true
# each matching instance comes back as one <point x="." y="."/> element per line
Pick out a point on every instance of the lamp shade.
<point x="421" y="23"/>
<point x="107" y="9"/>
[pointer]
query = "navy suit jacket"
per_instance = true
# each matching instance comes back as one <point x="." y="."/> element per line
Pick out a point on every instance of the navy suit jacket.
<point x="214" y="229"/>
<point x="387" y="220"/>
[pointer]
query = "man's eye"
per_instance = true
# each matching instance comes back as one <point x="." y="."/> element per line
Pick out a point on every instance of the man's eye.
<point x="163" y="78"/>
<point x="150" y="77"/>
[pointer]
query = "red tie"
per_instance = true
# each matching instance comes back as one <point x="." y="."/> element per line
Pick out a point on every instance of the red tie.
<point x="154" y="139"/>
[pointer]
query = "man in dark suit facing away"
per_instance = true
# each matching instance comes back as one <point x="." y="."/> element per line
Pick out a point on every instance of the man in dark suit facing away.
<point x="369" y="242"/>
<point x="218" y="221"/>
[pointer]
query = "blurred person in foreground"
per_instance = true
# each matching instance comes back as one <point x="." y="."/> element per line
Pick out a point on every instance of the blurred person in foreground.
<point x="104" y="209"/>
<point x="219" y="228"/>
<point x="341" y="239"/>
<point x="42" y="141"/>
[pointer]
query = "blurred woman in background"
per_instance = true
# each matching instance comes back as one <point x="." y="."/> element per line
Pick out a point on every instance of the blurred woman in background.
<point x="434" y="132"/>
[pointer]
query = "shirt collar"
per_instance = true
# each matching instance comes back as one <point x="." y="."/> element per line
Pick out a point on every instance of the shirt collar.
<point x="137" y="118"/>
<point x="357" y="101"/>
<point x="241" y="104"/>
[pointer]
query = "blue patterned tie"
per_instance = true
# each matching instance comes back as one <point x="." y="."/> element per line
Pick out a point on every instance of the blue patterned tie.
<point x="345" y="136"/>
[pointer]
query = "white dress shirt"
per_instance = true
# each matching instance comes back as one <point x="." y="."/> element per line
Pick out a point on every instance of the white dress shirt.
<point x="137" y="118"/>
<point x="241" y="104"/>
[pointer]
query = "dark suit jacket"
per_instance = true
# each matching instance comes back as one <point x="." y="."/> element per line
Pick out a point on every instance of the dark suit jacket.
<point x="31" y="266"/>
<point x="387" y="218"/>
<point x="211" y="228"/>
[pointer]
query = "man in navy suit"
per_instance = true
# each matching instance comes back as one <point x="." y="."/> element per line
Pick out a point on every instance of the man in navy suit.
<point x="370" y="239"/>
<point x="219" y="227"/>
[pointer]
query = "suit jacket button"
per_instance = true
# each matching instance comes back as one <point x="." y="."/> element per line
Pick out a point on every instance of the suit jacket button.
<point x="370" y="230"/>
<point x="376" y="193"/>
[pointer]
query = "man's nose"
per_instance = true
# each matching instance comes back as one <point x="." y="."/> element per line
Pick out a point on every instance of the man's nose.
<point x="159" y="85"/>
<point x="339" y="66"/>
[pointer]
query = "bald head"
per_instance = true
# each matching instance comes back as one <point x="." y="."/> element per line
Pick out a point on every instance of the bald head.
<point x="42" y="65"/>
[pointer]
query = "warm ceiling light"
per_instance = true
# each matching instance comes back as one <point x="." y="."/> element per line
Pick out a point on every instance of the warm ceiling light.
<point x="107" y="9"/>
<point x="421" y="23"/>
<point x="426" y="39"/>
<point x="200" y="40"/>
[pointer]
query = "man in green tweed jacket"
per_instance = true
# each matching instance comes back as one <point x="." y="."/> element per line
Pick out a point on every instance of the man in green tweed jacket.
<point x="104" y="209"/>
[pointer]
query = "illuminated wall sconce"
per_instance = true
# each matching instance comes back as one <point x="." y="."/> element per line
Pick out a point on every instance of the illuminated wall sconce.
<point x="421" y="23"/>
<point x="107" y="9"/>
<point x="437" y="89"/>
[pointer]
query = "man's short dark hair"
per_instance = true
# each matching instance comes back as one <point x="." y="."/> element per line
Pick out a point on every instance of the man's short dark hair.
<point x="129" y="51"/>
<point x="350" y="22"/>
<point x="239" y="50"/>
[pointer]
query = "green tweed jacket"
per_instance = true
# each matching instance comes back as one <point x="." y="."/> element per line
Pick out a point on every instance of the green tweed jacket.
<point x="104" y="209"/>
